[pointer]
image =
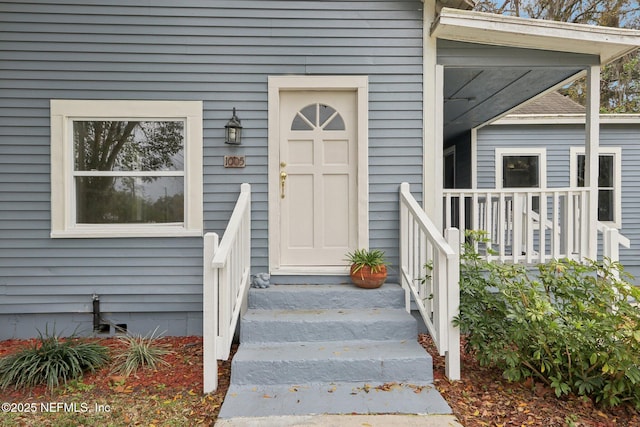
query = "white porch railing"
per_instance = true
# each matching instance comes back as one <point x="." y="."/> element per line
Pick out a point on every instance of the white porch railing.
<point x="516" y="233"/>
<point x="226" y="277"/>
<point x="435" y="289"/>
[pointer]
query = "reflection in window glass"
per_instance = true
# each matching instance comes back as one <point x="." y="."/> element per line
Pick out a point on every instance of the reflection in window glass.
<point x="520" y="172"/>
<point x="118" y="200"/>
<point x="129" y="171"/>
<point x="128" y="145"/>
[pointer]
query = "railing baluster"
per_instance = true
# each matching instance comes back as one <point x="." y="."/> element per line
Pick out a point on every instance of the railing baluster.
<point x="501" y="226"/>
<point x="488" y="223"/>
<point x="555" y="229"/>
<point x="462" y="221"/>
<point x="542" y="227"/>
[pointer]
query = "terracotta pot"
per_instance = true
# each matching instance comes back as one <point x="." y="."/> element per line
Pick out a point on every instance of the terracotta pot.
<point x="365" y="278"/>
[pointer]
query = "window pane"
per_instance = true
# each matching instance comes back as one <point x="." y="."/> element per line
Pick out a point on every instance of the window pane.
<point x="581" y="158"/>
<point x="110" y="200"/>
<point x="128" y="145"/>
<point x="605" y="184"/>
<point x="520" y="171"/>
<point x="605" y="172"/>
<point x="300" y="124"/>
<point x="336" y="123"/>
<point x="605" y="205"/>
<point x="310" y="112"/>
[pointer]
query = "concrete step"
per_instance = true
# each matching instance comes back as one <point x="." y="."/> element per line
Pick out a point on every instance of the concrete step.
<point x="310" y="297"/>
<point x="329" y="349"/>
<point x="327" y="325"/>
<point x="332" y="361"/>
<point x="333" y="398"/>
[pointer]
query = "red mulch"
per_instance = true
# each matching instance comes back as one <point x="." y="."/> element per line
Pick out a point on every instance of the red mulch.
<point x="481" y="398"/>
<point x="183" y="372"/>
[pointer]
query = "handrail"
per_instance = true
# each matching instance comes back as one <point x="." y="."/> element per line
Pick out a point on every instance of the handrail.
<point x="221" y="256"/>
<point x="435" y="289"/>
<point x="611" y="241"/>
<point x="226" y="277"/>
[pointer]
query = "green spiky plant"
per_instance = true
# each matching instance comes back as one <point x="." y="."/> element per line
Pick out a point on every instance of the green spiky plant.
<point x="366" y="258"/>
<point x="51" y="361"/>
<point x="140" y="351"/>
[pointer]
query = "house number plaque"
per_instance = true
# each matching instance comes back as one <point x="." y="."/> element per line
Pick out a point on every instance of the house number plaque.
<point x="234" y="161"/>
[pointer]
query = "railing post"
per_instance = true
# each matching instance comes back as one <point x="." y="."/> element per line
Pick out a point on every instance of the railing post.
<point x="404" y="245"/>
<point x="452" y="360"/>
<point x="210" y="314"/>
<point x="611" y="244"/>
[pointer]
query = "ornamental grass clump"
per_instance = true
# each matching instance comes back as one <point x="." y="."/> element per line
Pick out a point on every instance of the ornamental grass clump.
<point x="140" y="351"/>
<point x="573" y="326"/>
<point x="51" y="361"/>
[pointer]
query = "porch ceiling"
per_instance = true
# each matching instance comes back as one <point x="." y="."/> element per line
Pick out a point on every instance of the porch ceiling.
<point x="476" y="95"/>
<point x="494" y="63"/>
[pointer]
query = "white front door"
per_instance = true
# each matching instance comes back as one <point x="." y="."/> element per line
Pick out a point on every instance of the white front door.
<point x="317" y="181"/>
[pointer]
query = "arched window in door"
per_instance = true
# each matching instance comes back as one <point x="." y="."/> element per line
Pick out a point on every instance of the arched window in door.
<point x="317" y="116"/>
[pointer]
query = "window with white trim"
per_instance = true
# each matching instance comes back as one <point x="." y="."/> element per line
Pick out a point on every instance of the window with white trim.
<point x="126" y="168"/>
<point x="522" y="168"/>
<point x="609" y="181"/>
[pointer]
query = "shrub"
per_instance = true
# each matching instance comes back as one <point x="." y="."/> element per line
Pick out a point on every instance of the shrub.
<point x="140" y="351"/>
<point x="50" y="361"/>
<point x="571" y="325"/>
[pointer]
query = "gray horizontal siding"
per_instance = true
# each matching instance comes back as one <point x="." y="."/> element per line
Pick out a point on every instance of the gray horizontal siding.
<point x="219" y="52"/>
<point x="558" y="139"/>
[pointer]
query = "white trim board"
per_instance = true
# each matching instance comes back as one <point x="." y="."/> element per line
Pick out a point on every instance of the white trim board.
<point x="607" y="43"/>
<point x="63" y="207"/>
<point x="565" y="119"/>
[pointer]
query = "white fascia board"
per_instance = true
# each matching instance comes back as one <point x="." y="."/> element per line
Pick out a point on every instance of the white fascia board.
<point x="607" y="43"/>
<point x="566" y="119"/>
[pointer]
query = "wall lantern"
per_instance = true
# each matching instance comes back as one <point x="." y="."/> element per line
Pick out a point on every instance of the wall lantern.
<point x="233" y="130"/>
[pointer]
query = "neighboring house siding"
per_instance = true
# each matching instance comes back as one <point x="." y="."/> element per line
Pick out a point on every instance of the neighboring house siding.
<point x="557" y="139"/>
<point x="219" y="52"/>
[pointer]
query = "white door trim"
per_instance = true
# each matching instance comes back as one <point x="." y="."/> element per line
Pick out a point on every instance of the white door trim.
<point x="277" y="84"/>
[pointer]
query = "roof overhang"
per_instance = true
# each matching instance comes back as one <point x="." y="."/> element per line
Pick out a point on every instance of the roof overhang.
<point x="458" y="4"/>
<point x="494" y="63"/>
<point x="486" y="28"/>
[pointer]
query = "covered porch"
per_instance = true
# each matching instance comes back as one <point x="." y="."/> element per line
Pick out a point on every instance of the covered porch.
<point x="486" y="66"/>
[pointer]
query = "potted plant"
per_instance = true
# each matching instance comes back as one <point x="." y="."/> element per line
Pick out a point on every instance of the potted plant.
<point x="368" y="268"/>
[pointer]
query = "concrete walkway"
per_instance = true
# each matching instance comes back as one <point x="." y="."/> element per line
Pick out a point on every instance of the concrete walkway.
<point x="342" y="421"/>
